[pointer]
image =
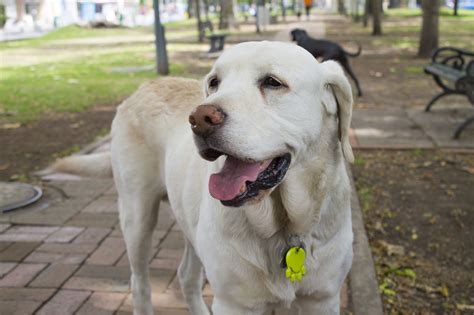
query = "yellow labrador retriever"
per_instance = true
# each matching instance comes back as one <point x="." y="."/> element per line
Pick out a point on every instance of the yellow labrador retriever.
<point x="254" y="171"/>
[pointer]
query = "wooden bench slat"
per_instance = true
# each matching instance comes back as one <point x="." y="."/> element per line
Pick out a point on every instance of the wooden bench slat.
<point x="445" y="71"/>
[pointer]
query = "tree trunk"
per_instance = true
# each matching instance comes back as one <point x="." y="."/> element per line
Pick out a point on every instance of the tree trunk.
<point x="456" y="4"/>
<point x="365" y="20"/>
<point x="226" y="18"/>
<point x="201" y="34"/>
<point x="376" y="17"/>
<point x="341" y="8"/>
<point x="430" y="28"/>
<point x="283" y="9"/>
<point x="190" y="9"/>
<point x="206" y="9"/>
<point x="20" y="10"/>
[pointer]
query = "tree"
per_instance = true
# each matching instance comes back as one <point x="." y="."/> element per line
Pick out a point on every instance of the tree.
<point x="376" y="17"/>
<point x="367" y="10"/>
<point x="430" y="28"/>
<point x="190" y="9"/>
<point x="456" y="4"/>
<point x="227" y="17"/>
<point x="20" y="10"/>
<point x="341" y="8"/>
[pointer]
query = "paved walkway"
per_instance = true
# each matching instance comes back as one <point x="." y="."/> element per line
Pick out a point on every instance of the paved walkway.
<point x="399" y="128"/>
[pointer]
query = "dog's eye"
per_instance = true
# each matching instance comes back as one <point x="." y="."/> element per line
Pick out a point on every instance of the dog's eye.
<point x="213" y="83"/>
<point x="271" y="82"/>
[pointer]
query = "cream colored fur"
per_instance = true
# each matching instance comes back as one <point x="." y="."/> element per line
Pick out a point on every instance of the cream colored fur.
<point x="153" y="156"/>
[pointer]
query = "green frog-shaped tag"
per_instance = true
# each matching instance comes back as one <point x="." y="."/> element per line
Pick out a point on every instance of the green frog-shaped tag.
<point x="295" y="263"/>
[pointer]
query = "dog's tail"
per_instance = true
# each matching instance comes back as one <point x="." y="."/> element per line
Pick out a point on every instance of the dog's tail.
<point x="96" y="165"/>
<point x="359" y="50"/>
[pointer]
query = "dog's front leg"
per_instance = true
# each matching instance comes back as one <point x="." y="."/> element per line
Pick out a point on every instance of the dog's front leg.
<point x="138" y="218"/>
<point x="316" y="305"/>
<point x="227" y="307"/>
<point x="191" y="276"/>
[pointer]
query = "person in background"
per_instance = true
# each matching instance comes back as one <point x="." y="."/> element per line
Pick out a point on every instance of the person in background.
<point x="308" y="4"/>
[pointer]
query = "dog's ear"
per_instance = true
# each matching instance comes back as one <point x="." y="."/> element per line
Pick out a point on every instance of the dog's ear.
<point x="333" y="76"/>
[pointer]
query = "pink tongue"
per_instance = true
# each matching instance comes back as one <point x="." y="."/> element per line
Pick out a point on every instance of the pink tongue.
<point x="226" y="184"/>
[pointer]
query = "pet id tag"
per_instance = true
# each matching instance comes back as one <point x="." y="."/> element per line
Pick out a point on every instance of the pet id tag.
<point x="294" y="259"/>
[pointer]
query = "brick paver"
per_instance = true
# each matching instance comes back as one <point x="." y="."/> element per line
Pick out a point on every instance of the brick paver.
<point x="22" y="301"/>
<point x="53" y="276"/>
<point x="4" y="226"/>
<point x="93" y="220"/>
<point x="108" y="253"/>
<point x="64" y="302"/>
<point x="92" y="235"/>
<point x="56" y="258"/>
<point x="67" y="248"/>
<point x="102" y="303"/>
<point x="64" y="234"/>
<point x="4" y="245"/>
<point x="5" y="268"/>
<point x="106" y="204"/>
<point x="18" y="307"/>
<point x="21" y="275"/>
<point x="18" y="251"/>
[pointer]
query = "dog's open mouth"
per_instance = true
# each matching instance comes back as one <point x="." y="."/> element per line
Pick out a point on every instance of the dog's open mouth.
<point x="239" y="181"/>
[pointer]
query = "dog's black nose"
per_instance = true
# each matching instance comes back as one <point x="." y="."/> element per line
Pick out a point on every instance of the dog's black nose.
<point x="205" y="119"/>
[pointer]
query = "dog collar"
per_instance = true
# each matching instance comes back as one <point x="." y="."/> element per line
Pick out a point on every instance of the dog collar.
<point x="293" y="259"/>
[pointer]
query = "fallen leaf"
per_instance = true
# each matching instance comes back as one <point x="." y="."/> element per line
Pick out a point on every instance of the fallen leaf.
<point x="464" y="307"/>
<point x="11" y="126"/>
<point x="444" y="290"/>
<point x="392" y="249"/>
<point x="470" y="170"/>
<point x="4" y="166"/>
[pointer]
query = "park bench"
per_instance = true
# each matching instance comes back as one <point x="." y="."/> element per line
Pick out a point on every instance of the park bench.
<point x="453" y="70"/>
<point x="217" y="41"/>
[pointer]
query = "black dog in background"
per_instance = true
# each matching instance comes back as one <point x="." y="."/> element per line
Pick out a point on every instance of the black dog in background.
<point x="326" y="50"/>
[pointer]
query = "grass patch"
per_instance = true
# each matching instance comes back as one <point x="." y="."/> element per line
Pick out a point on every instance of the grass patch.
<point x="444" y="12"/>
<point x="401" y="29"/>
<point x="185" y="28"/>
<point x="414" y="70"/>
<point x="365" y="196"/>
<point x="72" y="86"/>
<point x="75" y="32"/>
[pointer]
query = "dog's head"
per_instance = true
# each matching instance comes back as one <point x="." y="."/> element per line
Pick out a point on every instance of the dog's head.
<point x="298" y="34"/>
<point x="267" y="105"/>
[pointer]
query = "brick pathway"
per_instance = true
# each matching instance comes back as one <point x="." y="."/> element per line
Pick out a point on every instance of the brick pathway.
<point x="70" y="257"/>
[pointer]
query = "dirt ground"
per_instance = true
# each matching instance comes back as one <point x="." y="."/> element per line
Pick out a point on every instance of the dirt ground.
<point x="418" y="212"/>
<point x="33" y="146"/>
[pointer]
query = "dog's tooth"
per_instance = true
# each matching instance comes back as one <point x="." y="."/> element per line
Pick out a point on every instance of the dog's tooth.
<point x="243" y="188"/>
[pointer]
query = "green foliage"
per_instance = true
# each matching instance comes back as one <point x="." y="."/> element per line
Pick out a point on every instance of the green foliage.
<point x="3" y="17"/>
<point x="404" y="272"/>
<point x="359" y="161"/>
<point x="365" y="196"/>
<point x="384" y="288"/>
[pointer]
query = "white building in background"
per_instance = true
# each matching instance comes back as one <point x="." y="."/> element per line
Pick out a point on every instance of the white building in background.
<point x="44" y="15"/>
